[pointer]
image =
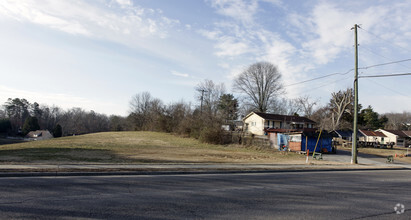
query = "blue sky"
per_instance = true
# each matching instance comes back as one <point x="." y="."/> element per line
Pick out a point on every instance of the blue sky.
<point x="97" y="54"/>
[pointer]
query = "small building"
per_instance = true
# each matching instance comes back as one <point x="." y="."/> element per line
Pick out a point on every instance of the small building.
<point x="257" y="122"/>
<point x="311" y="139"/>
<point x="372" y="138"/>
<point x="39" y="135"/>
<point x="398" y="137"/>
<point x="407" y="139"/>
<point x="301" y="139"/>
<point x="342" y="134"/>
<point x="342" y="137"/>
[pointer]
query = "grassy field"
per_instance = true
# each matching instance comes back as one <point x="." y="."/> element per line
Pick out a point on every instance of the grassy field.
<point x="401" y="152"/>
<point x="137" y="147"/>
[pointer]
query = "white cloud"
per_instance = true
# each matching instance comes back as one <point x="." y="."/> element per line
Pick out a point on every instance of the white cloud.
<point x="107" y="21"/>
<point x="175" y="73"/>
<point x="326" y="30"/>
<point x="229" y="46"/>
<point x="238" y="9"/>
<point x="124" y="3"/>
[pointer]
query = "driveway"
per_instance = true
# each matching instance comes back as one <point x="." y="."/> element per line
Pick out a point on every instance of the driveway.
<point x="344" y="156"/>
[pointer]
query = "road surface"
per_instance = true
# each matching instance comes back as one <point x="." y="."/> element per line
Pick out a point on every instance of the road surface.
<point x="278" y="195"/>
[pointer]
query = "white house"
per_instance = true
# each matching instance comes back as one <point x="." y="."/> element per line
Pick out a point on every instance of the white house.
<point x="39" y="135"/>
<point x="373" y="137"/>
<point x="398" y="137"/>
<point x="257" y="122"/>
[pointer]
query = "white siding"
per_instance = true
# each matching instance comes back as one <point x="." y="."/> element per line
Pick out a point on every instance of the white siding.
<point x="255" y="124"/>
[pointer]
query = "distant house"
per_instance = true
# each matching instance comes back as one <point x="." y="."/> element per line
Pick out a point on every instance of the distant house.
<point x="398" y="137"/>
<point x="257" y="123"/>
<point x="408" y="139"/>
<point x="370" y="138"/>
<point x="342" y="134"/>
<point x="39" y="135"/>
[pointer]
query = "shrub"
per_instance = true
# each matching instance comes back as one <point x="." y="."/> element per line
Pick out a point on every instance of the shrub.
<point x="212" y="135"/>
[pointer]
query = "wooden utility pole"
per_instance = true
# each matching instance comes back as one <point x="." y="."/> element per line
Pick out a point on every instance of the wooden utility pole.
<point x="355" y="129"/>
<point x="202" y="96"/>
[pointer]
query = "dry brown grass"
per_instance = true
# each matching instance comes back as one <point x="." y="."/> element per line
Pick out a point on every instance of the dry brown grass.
<point x="138" y="147"/>
<point x="400" y="152"/>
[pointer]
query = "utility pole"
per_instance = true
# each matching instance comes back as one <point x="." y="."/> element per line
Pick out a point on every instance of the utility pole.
<point x="202" y="95"/>
<point x="355" y="129"/>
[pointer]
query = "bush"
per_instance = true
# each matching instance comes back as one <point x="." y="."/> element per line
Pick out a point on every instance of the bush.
<point x="212" y="135"/>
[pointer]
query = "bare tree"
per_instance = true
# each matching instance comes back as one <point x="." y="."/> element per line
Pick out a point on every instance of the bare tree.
<point x="209" y="93"/>
<point x="307" y="106"/>
<point x="398" y="121"/>
<point x="340" y="103"/>
<point x="321" y="116"/>
<point x="286" y="106"/>
<point x="146" y="112"/>
<point x="260" y="82"/>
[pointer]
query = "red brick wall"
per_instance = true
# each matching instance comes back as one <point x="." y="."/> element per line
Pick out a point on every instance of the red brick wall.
<point x="295" y="146"/>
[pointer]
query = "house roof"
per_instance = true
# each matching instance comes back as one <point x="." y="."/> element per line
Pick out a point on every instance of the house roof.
<point x="343" y="133"/>
<point x="276" y="117"/>
<point x="408" y="133"/>
<point x="38" y="133"/>
<point x="372" y="133"/>
<point x="397" y="132"/>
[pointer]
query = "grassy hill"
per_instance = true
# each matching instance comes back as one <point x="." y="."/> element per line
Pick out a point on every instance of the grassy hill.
<point x="136" y="147"/>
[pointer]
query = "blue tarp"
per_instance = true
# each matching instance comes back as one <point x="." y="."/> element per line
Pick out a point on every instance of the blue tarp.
<point x="324" y="142"/>
<point x="282" y="139"/>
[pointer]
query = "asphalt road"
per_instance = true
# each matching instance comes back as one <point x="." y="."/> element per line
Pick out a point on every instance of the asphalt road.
<point x="278" y="195"/>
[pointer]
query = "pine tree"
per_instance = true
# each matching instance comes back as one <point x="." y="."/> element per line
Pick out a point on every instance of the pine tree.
<point x="31" y="124"/>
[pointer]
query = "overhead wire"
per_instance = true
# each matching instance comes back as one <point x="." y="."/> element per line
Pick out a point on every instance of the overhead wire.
<point x="384" y="75"/>
<point x="400" y="93"/>
<point x="387" y="41"/>
<point x="321" y="77"/>
<point x="383" y="64"/>
<point x="364" y="68"/>
<point x="332" y="74"/>
<point x="394" y="62"/>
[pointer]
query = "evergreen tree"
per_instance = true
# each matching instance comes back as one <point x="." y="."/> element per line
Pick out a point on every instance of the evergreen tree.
<point x="370" y="119"/>
<point x="58" y="131"/>
<point x="31" y="124"/>
<point x="228" y="107"/>
<point x="5" y="125"/>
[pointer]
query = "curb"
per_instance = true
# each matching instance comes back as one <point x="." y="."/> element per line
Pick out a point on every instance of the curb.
<point x="174" y="172"/>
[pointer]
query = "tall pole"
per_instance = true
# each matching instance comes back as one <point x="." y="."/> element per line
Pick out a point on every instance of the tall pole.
<point x="202" y="95"/>
<point x="355" y="129"/>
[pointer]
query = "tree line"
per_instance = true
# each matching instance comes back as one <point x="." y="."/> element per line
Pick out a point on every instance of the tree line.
<point x="259" y="88"/>
<point x="19" y="116"/>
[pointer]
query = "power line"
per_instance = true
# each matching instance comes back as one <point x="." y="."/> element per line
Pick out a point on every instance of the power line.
<point x="321" y="77"/>
<point x="375" y="35"/>
<point x="332" y="74"/>
<point x="383" y="64"/>
<point x="390" y="89"/>
<point x="383" y="56"/>
<point x="385" y="75"/>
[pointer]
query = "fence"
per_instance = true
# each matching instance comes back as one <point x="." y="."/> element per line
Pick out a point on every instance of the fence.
<point x="247" y="139"/>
